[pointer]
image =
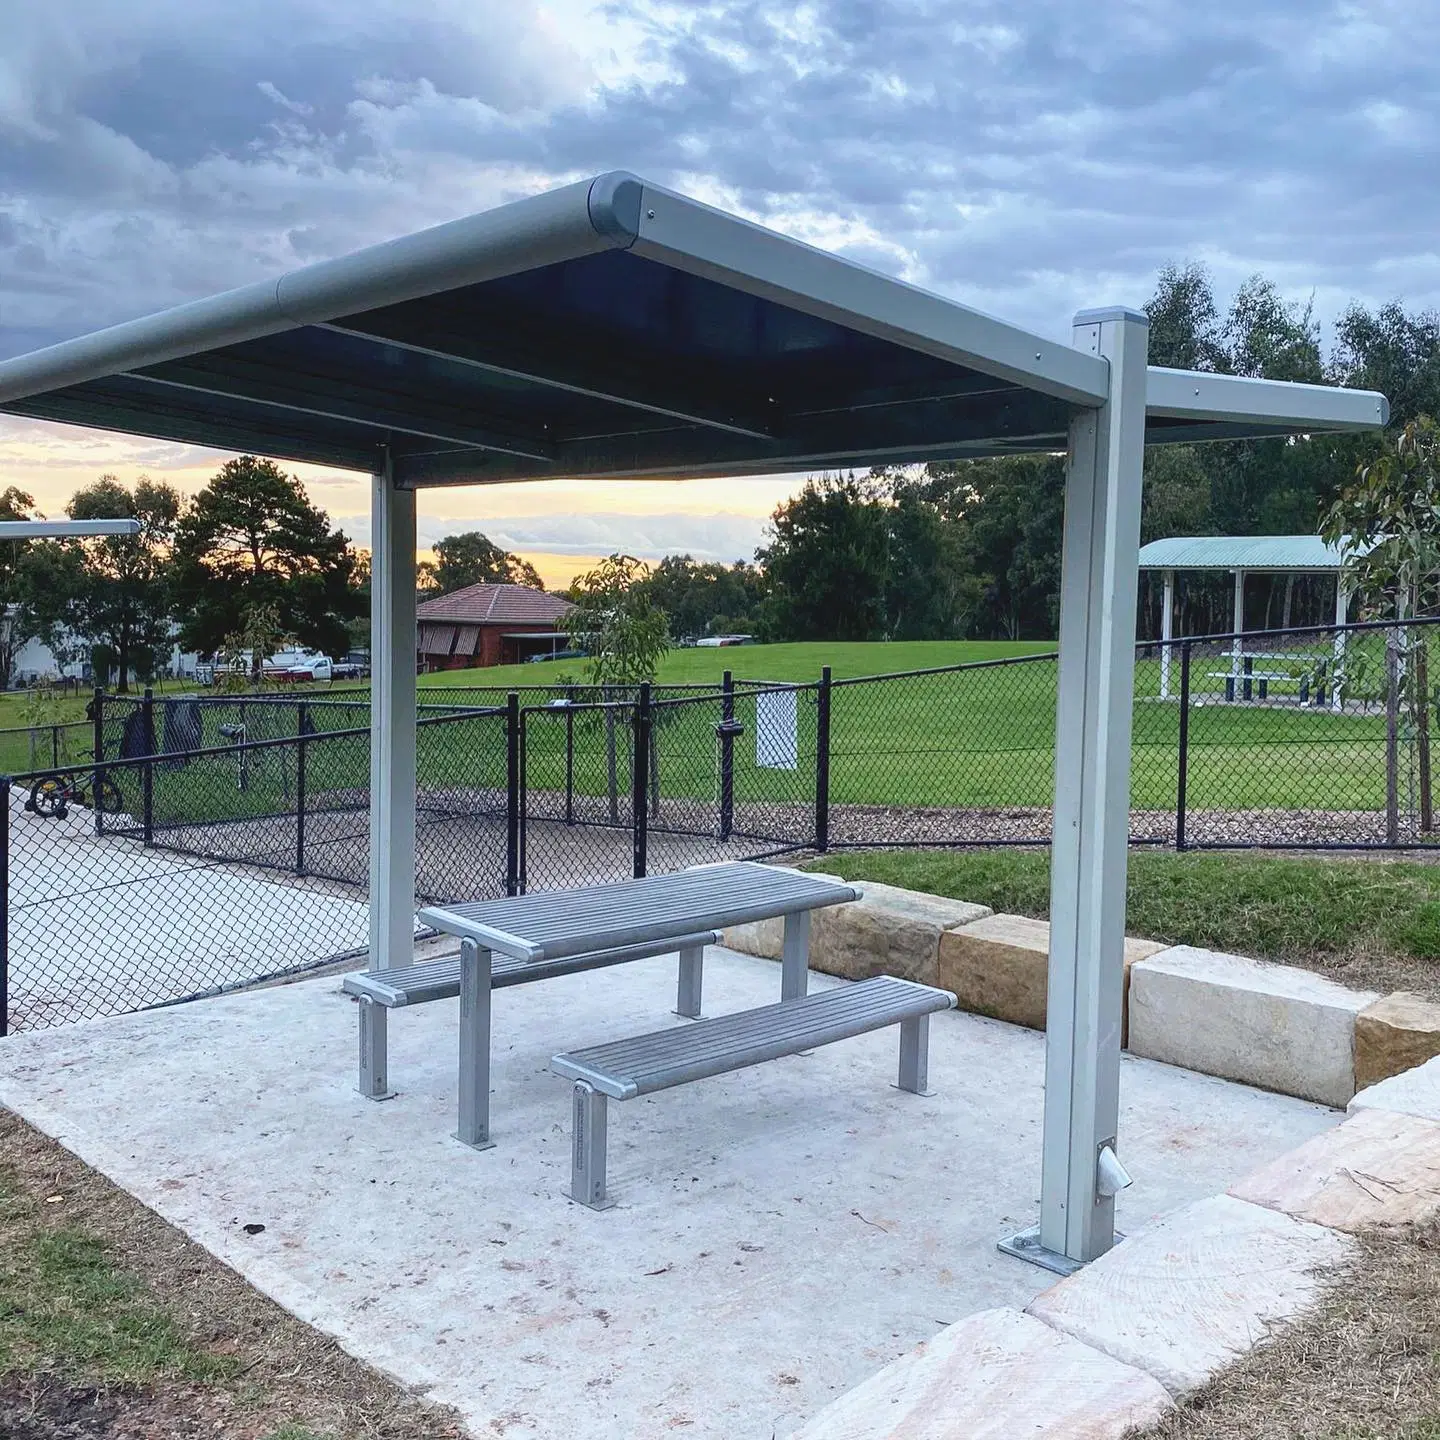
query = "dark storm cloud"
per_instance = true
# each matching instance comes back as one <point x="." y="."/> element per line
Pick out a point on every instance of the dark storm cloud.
<point x="1025" y="158"/>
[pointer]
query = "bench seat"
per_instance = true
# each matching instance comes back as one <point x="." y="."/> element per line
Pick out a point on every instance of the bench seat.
<point x="440" y="979"/>
<point x="643" y="1064"/>
<point x="379" y="991"/>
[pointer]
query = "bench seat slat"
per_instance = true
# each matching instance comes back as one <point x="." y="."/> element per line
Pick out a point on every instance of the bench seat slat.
<point x="623" y="1069"/>
<point x="440" y="979"/>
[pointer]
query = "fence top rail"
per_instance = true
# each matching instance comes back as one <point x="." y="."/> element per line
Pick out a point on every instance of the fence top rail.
<point x="319" y="737"/>
<point x="1355" y="627"/>
<point x="45" y="725"/>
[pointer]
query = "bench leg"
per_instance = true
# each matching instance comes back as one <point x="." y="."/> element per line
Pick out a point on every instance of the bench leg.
<point x="915" y="1055"/>
<point x="474" y="1126"/>
<point x="587" y="1155"/>
<point x="687" y="993"/>
<point x="795" y="957"/>
<point x="374" y="1033"/>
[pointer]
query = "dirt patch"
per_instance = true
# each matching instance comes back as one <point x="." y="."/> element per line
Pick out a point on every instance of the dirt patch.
<point x="1364" y="1365"/>
<point x="274" y="1378"/>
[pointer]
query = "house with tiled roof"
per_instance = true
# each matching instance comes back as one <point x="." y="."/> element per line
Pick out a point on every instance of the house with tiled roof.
<point x="489" y="625"/>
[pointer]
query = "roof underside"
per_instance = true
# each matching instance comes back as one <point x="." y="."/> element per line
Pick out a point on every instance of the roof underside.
<point x="608" y="329"/>
<point x="1241" y="552"/>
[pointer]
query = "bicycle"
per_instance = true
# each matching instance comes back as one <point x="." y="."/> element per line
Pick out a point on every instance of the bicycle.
<point x="52" y="795"/>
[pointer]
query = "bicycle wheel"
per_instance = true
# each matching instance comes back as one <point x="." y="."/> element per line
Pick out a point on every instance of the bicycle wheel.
<point x="47" y="797"/>
<point x="108" y="797"/>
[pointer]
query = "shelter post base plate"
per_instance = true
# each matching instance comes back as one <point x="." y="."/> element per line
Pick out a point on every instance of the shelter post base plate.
<point x="1025" y="1245"/>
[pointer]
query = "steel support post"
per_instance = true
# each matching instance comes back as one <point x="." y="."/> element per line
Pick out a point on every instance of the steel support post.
<point x="1167" y="632"/>
<point x="1099" y="580"/>
<point x="392" y="723"/>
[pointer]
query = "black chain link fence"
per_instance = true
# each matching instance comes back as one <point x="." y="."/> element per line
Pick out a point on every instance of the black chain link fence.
<point x="217" y="840"/>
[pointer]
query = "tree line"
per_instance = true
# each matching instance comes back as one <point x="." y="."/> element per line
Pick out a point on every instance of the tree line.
<point x="248" y="563"/>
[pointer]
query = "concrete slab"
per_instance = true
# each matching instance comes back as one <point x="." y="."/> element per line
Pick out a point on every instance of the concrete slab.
<point x="994" y="1376"/>
<point x="1270" y="1025"/>
<point x="1378" y="1168"/>
<point x="1416" y="1092"/>
<point x="1196" y="1291"/>
<point x="780" y="1233"/>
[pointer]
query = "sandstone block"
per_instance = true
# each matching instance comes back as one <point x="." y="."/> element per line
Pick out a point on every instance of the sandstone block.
<point x="994" y="1376"/>
<point x="1378" y="1168"/>
<point x="1395" y="1034"/>
<point x="766" y="938"/>
<point x="1267" y="1025"/>
<point x="1184" y="1298"/>
<point x="1413" y="1092"/>
<point x="888" y="932"/>
<point x="999" y="966"/>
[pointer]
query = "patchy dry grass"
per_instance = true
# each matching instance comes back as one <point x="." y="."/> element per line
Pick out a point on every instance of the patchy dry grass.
<point x="113" y="1323"/>
<point x="1364" y="1365"/>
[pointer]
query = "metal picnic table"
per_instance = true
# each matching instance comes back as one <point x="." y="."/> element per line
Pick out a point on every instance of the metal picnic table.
<point x="553" y="926"/>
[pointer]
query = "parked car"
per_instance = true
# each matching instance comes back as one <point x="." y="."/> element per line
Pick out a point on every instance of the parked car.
<point x="299" y="667"/>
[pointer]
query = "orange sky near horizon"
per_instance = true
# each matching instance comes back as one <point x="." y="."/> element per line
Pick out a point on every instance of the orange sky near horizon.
<point x="563" y="527"/>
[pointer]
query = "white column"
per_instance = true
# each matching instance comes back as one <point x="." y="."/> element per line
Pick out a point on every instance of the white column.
<point x="1167" y="632"/>
<point x="1099" y="580"/>
<point x="392" y="723"/>
<point x="1237" y="624"/>
<point x="1337" y="668"/>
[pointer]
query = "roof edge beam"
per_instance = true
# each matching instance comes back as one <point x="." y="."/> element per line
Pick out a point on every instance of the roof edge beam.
<point x="381" y="413"/>
<point x="704" y="241"/>
<point x="1239" y="399"/>
<point x="541" y="229"/>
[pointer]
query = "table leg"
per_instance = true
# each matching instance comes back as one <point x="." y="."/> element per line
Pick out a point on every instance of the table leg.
<point x="474" y="1126"/>
<point x="687" y="994"/>
<point x="795" y="961"/>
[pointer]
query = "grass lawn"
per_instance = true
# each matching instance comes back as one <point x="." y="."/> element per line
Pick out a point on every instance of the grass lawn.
<point x="978" y="738"/>
<point x="1367" y="923"/>
<point x="113" y="1323"/>
<point x="799" y="662"/>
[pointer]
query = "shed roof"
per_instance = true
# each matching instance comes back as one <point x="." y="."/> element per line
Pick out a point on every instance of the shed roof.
<point x="495" y="605"/>
<point x="611" y="328"/>
<point x="1241" y="552"/>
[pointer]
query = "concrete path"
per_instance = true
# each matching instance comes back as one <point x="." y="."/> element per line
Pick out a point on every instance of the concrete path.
<point x="100" y="925"/>
<point x="780" y="1234"/>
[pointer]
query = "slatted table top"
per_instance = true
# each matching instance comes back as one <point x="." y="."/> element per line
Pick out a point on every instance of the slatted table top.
<point x="556" y="923"/>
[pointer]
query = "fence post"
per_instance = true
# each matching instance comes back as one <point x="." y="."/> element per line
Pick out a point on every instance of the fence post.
<point x="1392" y="738"/>
<point x="512" y="794"/>
<point x="147" y="772"/>
<point x="822" y="762"/>
<point x="570" y="758"/>
<point x="727" y="754"/>
<point x="5" y="908"/>
<point x="640" y="782"/>
<point x="97" y="749"/>
<point x="302" y="714"/>
<point x="1183" y="774"/>
<point x="522" y="847"/>
<point x="54" y="747"/>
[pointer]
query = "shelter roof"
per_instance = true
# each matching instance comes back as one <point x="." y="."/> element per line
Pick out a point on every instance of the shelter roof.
<point x="611" y="328"/>
<point x="1241" y="552"/>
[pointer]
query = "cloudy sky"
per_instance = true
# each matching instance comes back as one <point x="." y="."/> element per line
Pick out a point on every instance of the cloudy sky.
<point x="1027" y="158"/>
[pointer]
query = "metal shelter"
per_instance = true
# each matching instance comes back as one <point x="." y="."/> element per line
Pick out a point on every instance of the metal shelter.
<point x="616" y="329"/>
<point x="1241" y="555"/>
